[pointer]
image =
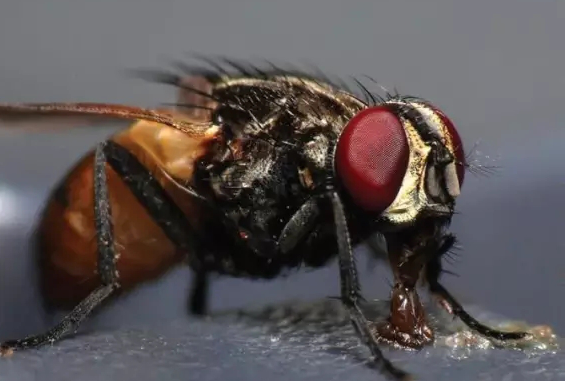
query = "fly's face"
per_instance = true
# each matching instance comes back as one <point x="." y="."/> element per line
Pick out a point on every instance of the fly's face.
<point x="402" y="159"/>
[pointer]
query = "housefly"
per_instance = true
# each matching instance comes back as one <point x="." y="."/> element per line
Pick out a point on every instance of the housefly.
<point x="254" y="171"/>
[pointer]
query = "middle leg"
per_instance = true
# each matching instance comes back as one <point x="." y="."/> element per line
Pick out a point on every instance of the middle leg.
<point x="198" y="297"/>
<point x="351" y="294"/>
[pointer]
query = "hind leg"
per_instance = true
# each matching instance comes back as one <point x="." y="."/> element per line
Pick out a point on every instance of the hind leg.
<point x="198" y="299"/>
<point x="106" y="268"/>
<point x="159" y="205"/>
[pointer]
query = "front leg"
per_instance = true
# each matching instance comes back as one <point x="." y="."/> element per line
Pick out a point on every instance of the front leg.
<point x="351" y="293"/>
<point x="433" y="273"/>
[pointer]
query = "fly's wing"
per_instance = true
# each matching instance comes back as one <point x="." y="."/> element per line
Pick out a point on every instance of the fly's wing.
<point x="101" y="111"/>
<point x="223" y="82"/>
<point x="170" y="138"/>
<point x="18" y="122"/>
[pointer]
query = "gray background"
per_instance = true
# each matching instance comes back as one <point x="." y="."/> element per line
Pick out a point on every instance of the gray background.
<point x="496" y="68"/>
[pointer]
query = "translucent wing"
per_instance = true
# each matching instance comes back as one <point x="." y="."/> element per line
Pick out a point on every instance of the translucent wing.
<point x="101" y="111"/>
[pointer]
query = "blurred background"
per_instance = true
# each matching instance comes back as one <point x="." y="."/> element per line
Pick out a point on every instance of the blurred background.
<point x="496" y="68"/>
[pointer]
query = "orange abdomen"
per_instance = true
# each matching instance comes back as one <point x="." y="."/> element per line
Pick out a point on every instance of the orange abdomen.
<point x="67" y="237"/>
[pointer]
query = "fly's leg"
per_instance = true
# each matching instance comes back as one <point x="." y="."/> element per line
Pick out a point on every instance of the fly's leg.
<point x="156" y="201"/>
<point x="106" y="267"/>
<point x="198" y="299"/>
<point x="351" y="293"/>
<point x="165" y="212"/>
<point x="433" y="273"/>
<point x="298" y="227"/>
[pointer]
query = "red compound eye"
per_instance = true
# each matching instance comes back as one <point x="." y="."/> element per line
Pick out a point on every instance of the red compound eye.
<point x="372" y="157"/>
<point x="457" y="145"/>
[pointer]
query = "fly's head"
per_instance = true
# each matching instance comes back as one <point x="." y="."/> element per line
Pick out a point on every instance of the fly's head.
<point x="402" y="160"/>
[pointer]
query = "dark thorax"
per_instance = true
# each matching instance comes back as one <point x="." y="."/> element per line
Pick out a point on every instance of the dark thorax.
<point x="274" y="156"/>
